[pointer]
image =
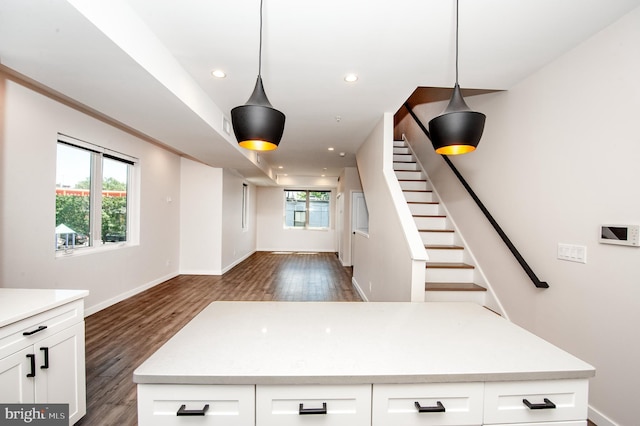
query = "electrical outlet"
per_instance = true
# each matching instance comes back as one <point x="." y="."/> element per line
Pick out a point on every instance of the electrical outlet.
<point x="572" y="253"/>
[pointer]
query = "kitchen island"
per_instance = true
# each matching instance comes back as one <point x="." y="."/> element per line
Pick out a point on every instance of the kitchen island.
<point x="334" y="363"/>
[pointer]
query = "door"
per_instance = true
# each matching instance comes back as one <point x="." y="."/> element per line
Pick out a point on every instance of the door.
<point x="15" y="386"/>
<point x="61" y="370"/>
<point x="359" y="213"/>
<point x="340" y="226"/>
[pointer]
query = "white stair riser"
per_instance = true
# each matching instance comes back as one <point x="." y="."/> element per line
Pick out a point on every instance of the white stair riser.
<point x="403" y="157"/>
<point x="448" y="275"/>
<point x="405" y="166"/>
<point x="422" y="197"/>
<point x="419" y="185"/>
<point x="431" y="222"/>
<point x="437" y="238"/>
<point x="445" y="255"/>
<point x="424" y="209"/>
<point x="410" y="175"/>
<point x="455" y="296"/>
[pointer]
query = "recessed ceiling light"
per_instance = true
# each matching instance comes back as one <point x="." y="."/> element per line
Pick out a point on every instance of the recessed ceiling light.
<point x="330" y="148"/>
<point x="342" y="154"/>
<point x="218" y="74"/>
<point x="280" y="167"/>
<point x="351" y="78"/>
<point x="322" y="175"/>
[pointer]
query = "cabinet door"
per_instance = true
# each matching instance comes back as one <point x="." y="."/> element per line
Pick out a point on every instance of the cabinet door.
<point x="15" y="386"/>
<point x="61" y="370"/>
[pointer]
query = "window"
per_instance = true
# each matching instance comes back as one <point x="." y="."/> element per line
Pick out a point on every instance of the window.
<point x="92" y="195"/>
<point x="307" y="209"/>
<point x="245" y="200"/>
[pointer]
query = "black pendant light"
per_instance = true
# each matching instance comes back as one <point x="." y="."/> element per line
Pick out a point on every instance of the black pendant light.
<point x="458" y="129"/>
<point x="257" y="125"/>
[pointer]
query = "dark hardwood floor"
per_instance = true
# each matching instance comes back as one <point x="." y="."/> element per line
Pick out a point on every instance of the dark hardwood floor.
<point x="122" y="336"/>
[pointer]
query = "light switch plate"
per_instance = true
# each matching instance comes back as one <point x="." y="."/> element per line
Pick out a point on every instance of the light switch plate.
<point x="572" y="253"/>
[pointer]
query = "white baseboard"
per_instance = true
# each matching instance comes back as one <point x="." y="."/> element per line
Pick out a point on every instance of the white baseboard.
<point x="237" y="262"/>
<point x="200" y="272"/>
<point x="600" y="419"/>
<point x="120" y="297"/>
<point x="358" y="289"/>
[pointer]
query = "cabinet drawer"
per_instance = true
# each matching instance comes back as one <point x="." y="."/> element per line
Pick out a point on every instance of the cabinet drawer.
<point x="442" y="404"/>
<point x="340" y="405"/>
<point x="39" y="326"/>
<point x="228" y="405"/>
<point x="504" y="401"/>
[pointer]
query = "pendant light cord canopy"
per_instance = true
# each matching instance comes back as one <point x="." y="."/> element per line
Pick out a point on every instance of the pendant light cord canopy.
<point x="257" y="125"/>
<point x="458" y="129"/>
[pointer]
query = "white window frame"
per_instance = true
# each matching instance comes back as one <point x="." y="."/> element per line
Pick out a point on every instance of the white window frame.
<point x="95" y="207"/>
<point x="245" y="206"/>
<point x="307" y="215"/>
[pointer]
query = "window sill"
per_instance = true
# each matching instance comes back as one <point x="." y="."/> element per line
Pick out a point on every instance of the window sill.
<point x="294" y="228"/>
<point x="84" y="251"/>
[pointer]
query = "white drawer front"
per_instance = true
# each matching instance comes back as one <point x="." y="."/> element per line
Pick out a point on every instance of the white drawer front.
<point x="228" y="405"/>
<point x="503" y="401"/>
<point x="346" y="405"/>
<point x="20" y="334"/>
<point x="396" y="404"/>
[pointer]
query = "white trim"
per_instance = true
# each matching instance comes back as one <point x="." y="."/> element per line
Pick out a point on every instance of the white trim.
<point x="237" y="262"/>
<point x="600" y="419"/>
<point x="358" y="289"/>
<point x="127" y="294"/>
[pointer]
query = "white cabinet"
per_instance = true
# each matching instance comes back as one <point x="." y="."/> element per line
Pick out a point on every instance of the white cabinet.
<point x="42" y="359"/>
<point x="298" y="405"/>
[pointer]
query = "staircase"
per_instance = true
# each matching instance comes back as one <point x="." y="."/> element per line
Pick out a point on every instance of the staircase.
<point x="450" y="274"/>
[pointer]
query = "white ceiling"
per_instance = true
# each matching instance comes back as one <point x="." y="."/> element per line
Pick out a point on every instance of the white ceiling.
<point x="146" y="63"/>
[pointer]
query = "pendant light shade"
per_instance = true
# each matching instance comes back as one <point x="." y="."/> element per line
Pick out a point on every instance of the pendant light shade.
<point x="458" y="129"/>
<point x="258" y="125"/>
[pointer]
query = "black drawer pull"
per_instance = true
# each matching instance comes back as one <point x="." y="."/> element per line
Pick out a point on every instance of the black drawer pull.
<point x="322" y="410"/>
<point x="29" y="333"/>
<point x="32" y="362"/>
<point x="46" y="358"/>
<point x="547" y="404"/>
<point x="182" y="411"/>
<point x="438" y="408"/>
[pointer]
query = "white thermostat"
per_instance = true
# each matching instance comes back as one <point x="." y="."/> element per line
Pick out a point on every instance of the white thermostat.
<point x="625" y="235"/>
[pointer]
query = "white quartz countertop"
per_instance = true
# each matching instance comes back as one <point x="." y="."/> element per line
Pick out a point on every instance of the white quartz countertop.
<point x="19" y="303"/>
<point x="343" y="343"/>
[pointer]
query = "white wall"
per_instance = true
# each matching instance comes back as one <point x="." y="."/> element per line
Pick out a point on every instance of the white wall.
<point x="389" y="263"/>
<point x="271" y="234"/>
<point x="200" y="218"/>
<point x="237" y="243"/>
<point x="559" y="157"/>
<point x="30" y="123"/>
<point x="348" y="183"/>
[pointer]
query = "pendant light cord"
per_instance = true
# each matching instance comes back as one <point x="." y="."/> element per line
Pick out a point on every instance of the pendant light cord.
<point x="457" y="7"/>
<point x="260" y="50"/>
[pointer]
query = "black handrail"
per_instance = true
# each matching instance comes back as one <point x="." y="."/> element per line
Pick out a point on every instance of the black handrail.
<point x="492" y="221"/>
